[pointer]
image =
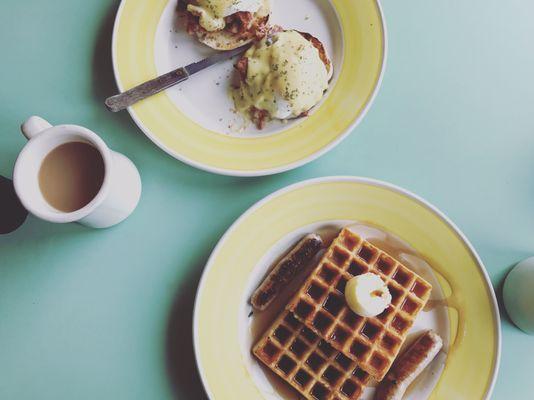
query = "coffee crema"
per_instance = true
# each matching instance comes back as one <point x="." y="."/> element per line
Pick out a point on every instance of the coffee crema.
<point x="71" y="175"/>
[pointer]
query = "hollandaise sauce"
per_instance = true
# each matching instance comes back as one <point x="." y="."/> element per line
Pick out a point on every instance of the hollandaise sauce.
<point x="286" y="76"/>
<point x="211" y="13"/>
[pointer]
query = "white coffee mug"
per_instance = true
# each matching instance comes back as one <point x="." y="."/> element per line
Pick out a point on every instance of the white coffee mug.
<point x="518" y="295"/>
<point x="118" y="195"/>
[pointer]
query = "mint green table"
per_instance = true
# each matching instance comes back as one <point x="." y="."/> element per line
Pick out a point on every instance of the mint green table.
<point x="107" y="314"/>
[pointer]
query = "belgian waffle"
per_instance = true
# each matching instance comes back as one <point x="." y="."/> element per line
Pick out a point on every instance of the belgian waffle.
<point x="308" y="363"/>
<point x="320" y="303"/>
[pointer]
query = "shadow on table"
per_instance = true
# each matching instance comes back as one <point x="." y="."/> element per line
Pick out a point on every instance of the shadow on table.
<point x="180" y="357"/>
<point x="104" y="84"/>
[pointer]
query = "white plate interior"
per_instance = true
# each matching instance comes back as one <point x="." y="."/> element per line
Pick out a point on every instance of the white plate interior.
<point x="205" y="97"/>
<point x="437" y="318"/>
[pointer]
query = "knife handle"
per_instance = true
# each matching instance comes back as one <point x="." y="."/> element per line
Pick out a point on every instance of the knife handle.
<point x="124" y="100"/>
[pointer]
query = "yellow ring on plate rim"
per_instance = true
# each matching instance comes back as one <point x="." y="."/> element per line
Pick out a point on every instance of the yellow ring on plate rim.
<point x="215" y="341"/>
<point x="365" y="53"/>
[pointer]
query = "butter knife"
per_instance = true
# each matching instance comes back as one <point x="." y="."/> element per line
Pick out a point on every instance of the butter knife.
<point x="124" y="100"/>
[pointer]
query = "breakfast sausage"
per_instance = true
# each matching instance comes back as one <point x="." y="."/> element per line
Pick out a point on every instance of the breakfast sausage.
<point x="285" y="270"/>
<point x="408" y="366"/>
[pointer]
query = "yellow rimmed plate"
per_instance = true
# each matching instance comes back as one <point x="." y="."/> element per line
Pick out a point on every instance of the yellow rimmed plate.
<point x="194" y="122"/>
<point x="472" y="317"/>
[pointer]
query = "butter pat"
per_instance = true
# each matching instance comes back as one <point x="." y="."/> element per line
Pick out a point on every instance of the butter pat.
<point x="367" y="295"/>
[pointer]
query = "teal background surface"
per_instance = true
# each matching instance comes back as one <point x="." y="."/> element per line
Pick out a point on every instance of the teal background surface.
<point x="88" y="314"/>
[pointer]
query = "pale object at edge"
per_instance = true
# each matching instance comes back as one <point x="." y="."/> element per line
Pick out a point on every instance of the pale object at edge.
<point x="121" y="186"/>
<point x="518" y="293"/>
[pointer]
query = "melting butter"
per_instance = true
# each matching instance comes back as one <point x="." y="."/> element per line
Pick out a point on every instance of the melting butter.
<point x="285" y="77"/>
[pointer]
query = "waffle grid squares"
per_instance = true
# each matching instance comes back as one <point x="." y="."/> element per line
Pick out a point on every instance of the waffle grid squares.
<point x="308" y="363"/>
<point x="320" y="305"/>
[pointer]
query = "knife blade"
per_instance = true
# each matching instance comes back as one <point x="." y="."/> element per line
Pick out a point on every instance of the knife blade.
<point x="124" y="100"/>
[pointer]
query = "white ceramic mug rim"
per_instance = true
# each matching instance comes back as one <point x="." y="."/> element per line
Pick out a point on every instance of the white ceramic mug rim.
<point x="58" y="216"/>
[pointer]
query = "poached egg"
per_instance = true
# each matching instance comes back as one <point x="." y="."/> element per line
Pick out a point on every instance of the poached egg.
<point x="211" y="13"/>
<point x="285" y="76"/>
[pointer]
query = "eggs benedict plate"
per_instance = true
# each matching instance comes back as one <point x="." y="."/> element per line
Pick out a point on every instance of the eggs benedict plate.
<point x="282" y="77"/>
<point x="199" y="122"/>
<point x="226" y="24"/>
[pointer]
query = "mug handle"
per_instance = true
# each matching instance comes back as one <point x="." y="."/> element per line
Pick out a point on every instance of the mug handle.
<point x="12" y="212"/>
<point x="33" y="126"/>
